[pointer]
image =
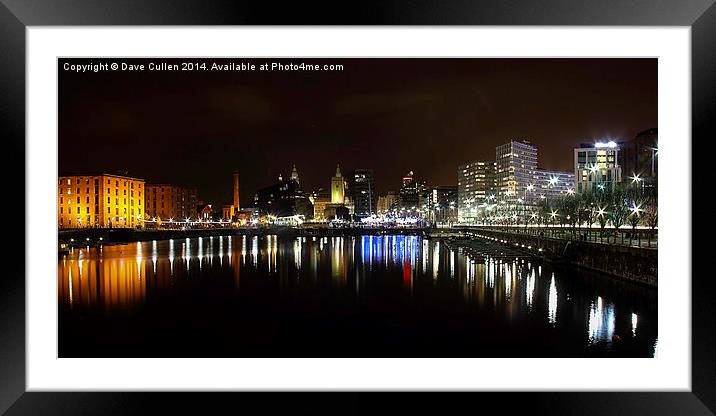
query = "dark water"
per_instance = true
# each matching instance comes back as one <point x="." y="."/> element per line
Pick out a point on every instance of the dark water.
<point x="370" y="296"/>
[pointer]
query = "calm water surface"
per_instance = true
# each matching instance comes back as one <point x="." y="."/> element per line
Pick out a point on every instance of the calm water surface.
<point x="365" y="296"/>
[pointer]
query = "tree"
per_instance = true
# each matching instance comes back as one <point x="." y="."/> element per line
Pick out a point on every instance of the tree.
<point x="619" y="210"/>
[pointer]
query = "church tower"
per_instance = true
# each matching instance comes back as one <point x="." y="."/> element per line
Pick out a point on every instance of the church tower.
<point x="337" y="187"/>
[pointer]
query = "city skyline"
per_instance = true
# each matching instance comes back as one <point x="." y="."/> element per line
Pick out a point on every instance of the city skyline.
<point x="195" y="129"/>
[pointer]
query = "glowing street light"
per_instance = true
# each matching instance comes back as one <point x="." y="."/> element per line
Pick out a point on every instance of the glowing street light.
<point x="636" y="178"/>
<point x="635" y="209"/>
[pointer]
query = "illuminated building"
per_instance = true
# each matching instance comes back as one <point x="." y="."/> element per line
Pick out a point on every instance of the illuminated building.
<point x="550" y="183"/>
<point x="596" y="166"/>
<point x="283" y="199"/>
<point x="320" y="199"/>
<point x="338" y="186"/>
<point x="516" y="163"/>
<point x="104" y="200"/>
<point x="476" y="182"/>
<point x="388" y="203"/>
<point x="361" y="188"/>
<point x="409" y="195"/>
<point x="170" y="202"/>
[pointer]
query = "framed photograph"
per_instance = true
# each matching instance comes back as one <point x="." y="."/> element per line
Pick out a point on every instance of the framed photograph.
<point x="402" y="199"/>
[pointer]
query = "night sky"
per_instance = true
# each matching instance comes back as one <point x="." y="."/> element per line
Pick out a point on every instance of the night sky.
<point x="195" y="128"/>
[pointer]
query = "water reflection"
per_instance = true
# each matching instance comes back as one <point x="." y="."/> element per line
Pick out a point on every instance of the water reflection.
<point x="516" y="290"/>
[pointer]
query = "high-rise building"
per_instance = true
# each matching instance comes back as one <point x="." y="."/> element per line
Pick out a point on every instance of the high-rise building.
<point x="596" y="166"/>
<point x="476" y="181"/>
<point x="516" y="163"/>
<point x="103" y="200"/>
<point x="165" y="202"/>
<point x="551" y="183"/>
<point x="409" y="194"/>
<point x="639" y="156"/>
<point x="361" y="187"/>
<point x="338" y="187"/>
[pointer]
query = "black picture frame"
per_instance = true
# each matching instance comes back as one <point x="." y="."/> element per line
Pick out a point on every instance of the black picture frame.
<point x="16" y="15"/>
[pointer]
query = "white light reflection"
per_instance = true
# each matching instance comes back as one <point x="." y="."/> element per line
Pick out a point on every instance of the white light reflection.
<point x="634" y="321"/>
<point x="436" y="259"/>
<point x="255" y="250"/>
<point x="154" y="256"/>
<point x="601" y="321"/>
<point x="552" y="305"/>
<point x="530" y="288"/>
<point x="171" y="257"/>
<point x="452" y="264"/>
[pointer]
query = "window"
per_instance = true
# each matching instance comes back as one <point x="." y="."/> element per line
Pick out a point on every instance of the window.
<point x="78" y="200"/>
<point x="108" y="200"/>
<point x="87" y="212"/>
<point x="61" y="200"/>
<point x="60" y="210"/>
<point x="78" y="210"/>
<point x="87" y="200"/>
<point x="69" y="182"/>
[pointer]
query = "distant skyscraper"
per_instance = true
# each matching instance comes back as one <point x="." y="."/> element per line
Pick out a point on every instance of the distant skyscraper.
<point x="516" y="165"/>
<point x="337" y="187"/>
<point x="409" y="192"/>
<point x="361" y="186"/>
<point x="596" y="166"/>
<point x="475" y="182"/>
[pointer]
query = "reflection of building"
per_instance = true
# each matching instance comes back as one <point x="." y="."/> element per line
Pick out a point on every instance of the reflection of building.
<point x="476" y="181"/>
<point x="549" y="183"/>
<point x="596" y="166"/>
<point x="361" y="188"/>
<point x="166" y="202"/>
<point x="284" y="199"/>
<point x="638" y="156"/>
<point x="104" y="200"/>
<point x="516" y="163"/>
